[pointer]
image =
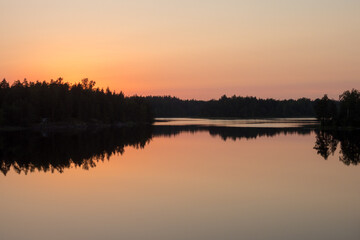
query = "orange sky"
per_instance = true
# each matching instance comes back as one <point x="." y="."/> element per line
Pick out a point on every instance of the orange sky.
<point x="190" y="49"/>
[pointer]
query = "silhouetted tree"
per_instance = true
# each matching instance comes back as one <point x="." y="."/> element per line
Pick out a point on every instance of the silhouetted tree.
<point x="350" y="107"/>
<point x="325" y="109"/>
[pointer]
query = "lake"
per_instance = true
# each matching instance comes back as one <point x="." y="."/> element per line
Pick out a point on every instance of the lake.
<point x="182" y="179"/>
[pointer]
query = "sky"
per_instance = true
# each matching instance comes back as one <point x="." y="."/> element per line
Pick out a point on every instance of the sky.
<point x="190" y="49"/>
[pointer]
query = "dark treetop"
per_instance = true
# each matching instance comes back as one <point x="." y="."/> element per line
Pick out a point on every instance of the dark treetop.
<point x="345" y="112"/>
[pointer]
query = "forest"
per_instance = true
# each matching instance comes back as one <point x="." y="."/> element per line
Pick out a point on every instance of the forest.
<point x="345" y="112"/>
<point x="231" y="107"/>
<point x="342" y="112"/>
<point x="28" y="103"/>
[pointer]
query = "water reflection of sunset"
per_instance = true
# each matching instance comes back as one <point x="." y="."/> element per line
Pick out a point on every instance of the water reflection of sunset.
<point x="191" y="185"/>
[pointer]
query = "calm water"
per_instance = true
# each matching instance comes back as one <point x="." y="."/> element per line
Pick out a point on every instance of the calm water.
<point x="203" y="179"/>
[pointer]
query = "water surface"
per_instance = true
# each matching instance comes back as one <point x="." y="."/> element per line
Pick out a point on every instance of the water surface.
<point x="257" y="123"/>
<point x="174" y="181"/>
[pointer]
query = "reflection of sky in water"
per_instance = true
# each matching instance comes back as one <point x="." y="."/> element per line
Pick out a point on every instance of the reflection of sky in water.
<point x="264" y="123"/>
<point x="190" y="186"/>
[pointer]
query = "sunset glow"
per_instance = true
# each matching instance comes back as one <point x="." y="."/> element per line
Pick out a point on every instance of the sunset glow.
<point x="189" y="49"/>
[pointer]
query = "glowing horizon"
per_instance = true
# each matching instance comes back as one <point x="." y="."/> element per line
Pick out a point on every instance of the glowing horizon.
<point x="191" y="50"/>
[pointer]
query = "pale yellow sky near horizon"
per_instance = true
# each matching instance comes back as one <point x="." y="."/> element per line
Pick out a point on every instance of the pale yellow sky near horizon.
<point x="190" y="49"/>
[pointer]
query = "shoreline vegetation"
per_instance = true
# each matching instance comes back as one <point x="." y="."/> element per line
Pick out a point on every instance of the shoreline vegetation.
<point x="58" y="104"/>
<point x="231" y="107"/>
<point x="61" y="105"/>
<point x="344" y="113"/>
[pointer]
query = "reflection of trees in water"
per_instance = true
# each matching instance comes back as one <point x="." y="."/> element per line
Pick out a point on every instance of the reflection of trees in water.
<point x="226" y="133"/>
<point x="327" y="142"/>
<point x="55" y="151"/>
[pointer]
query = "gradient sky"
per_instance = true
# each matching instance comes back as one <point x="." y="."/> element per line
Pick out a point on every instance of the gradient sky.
<point x="190" y="49"/>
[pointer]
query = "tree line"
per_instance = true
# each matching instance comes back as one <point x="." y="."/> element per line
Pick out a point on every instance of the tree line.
<point x="26" y="103"/>
<point x="342" y="112"/>
<point x="232" y="107"/>
<point x="345" y="112"/>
